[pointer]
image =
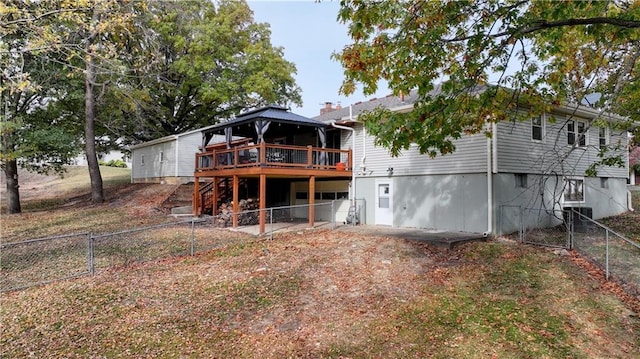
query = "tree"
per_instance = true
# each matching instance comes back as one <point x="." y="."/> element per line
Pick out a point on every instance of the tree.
<point x="35" y="133"/>
<point x="86" y="39"/>
<point x="197" y="62"/>
<point x="473" y="61"/>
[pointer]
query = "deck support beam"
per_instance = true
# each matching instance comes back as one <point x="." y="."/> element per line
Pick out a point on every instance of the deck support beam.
<point x="263" y="202"/>
<point x="312" y="200"/>
<point x="236" y="203"/>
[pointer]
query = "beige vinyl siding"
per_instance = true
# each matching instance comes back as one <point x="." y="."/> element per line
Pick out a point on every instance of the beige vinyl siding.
<point x="518" y="153"/>
<point x="470" y="157"/>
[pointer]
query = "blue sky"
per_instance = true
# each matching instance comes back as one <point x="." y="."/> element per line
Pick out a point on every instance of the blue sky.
<point x="309" y="33"/>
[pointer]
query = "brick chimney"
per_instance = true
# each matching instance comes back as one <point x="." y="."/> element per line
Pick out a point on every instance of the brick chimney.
<point x="328" y="107"/>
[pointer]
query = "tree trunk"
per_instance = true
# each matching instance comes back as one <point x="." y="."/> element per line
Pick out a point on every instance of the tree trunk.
<point x="13" y="188"/>
<point x="97" y="193"/>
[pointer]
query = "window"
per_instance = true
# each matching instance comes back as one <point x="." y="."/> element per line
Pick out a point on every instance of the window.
<point x="521" y="180"/>
<point x="302" y="195"/>
<point x="142" y="160"/>
<point x="603" y="137"/>
<point x="577" y="130"/>
<point x="573" y="190"/>
<point x="537" y="128"/>
<point x="328" y="195"/>
<point x="161" y="156"/>
<point x="604" y="182"/>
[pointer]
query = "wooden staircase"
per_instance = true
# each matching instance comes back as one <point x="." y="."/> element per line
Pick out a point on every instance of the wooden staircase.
<point x="225" y="193"/>
<point x="181" y="197"/>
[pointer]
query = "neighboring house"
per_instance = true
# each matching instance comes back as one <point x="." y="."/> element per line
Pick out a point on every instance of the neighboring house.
<point x="169" y="159"/>
<point x="634" y="166"/>
<point x="484" y="183"/>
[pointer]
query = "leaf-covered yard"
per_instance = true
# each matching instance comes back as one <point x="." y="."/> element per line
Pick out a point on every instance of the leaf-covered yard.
<point x="329" y="294"/>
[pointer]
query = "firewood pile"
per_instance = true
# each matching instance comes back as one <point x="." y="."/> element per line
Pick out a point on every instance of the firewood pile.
<point x="248" y="213"/>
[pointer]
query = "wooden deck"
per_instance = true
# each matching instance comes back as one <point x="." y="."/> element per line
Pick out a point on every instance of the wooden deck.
<point x="274" y="160"/>
<point x="217" y="165"/>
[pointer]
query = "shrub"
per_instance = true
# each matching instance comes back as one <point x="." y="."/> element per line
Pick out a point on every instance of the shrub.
<point x="113" y="163"/>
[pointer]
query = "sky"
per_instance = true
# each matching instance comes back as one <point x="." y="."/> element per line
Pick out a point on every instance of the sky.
<point x="309" y="33"/>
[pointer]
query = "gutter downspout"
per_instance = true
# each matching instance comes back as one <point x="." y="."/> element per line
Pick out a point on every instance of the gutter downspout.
<point x="490" y="144"/>
<point x="363" y="166"/>
<point x="353" y="172"/>
<point x="177" y="153"/>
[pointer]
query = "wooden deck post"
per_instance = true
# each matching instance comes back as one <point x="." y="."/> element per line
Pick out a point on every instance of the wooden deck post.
<point x="196" y="197"/>
<point x="309" y="156"/>
<point x="263" y="202"/>
<point x="236" y="204"/>
<point x="312" y="200"/>
<point x="215" y="189"/>
<point x="263" y="153"/>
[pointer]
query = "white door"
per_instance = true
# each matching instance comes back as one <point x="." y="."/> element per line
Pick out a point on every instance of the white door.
<point x="384" y="202"/>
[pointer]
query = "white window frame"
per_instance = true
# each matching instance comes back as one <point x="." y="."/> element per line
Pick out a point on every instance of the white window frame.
<point x="576" y="133"/>
<point x="567" y="184"/>
<point x="606" y="137"/>
<point x="542" y="128"/>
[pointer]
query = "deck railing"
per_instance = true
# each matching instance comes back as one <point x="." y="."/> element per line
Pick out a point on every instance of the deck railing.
<point x="274" y="155"/>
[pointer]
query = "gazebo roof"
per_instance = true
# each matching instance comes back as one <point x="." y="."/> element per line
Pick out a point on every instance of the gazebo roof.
<point x="272" y="113"/>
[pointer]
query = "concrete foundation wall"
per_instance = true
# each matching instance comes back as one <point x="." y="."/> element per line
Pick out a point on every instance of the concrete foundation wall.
<point x="541" y="200"/>
<point x="444" y="202"/>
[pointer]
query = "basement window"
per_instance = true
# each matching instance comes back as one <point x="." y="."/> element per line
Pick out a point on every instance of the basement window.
<point x="573" y="190"/>
<point x="604" y="182"/>
<point x="521" y="180"/>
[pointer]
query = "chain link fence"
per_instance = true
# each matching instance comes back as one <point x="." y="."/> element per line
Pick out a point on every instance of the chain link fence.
<point x="546" y="227"/>
<point x="38" y="261"/>
<point x="615" y="254"/>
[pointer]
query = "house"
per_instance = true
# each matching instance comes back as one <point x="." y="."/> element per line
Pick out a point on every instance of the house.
<point x="538" y="165"/>
<point x="634" y="166"/>
<point x="169" y="159"/>
<point x="273" y="155"/>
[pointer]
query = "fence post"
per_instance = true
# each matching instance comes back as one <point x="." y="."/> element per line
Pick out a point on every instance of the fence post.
<point x="271" y="222"/>
<point x="193" y="237"/>
<point x="606" y="258"/>
<point x="91" y="254"/>
<point x="521" y="212"/>
<point x="333" y="214"/>
<point x="572" y="228"/>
